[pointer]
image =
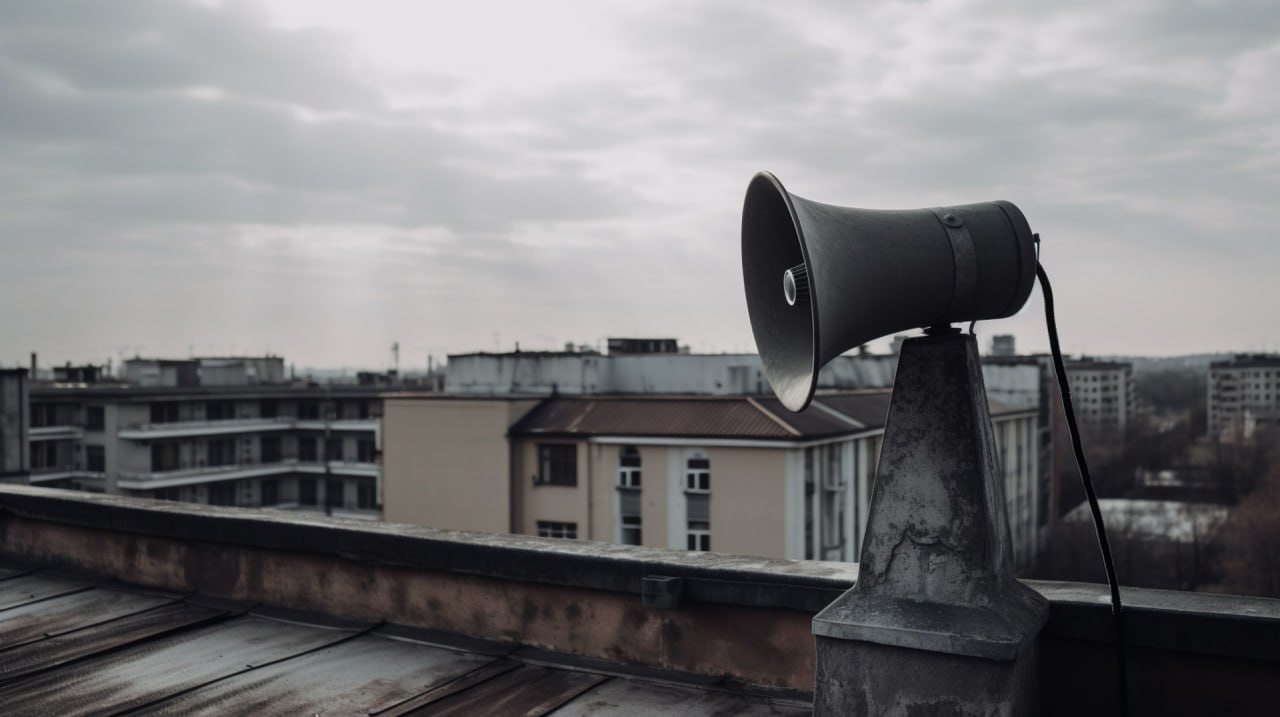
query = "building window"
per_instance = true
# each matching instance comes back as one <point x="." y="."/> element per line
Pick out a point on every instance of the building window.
<point x="95" y="418"/>
<point x="697" y="498"/>
<point x="164" y="412"/>
<point x="699" y="535"/>
<point x="366" y="493"/>
<point x="164" y="457"/>
<point x="364" y="450"/>
<point x="95" y="459"/>
<point x="629" y="467"/>
<point x="309" y="410"/>
<point x="270" y="449"/>
<point x="219" y="410"/>
<point x="629" y="496"/>
<point x="306" y="491"/>
<point x="168" y="494"/>
<point x="222" y="452"/>
<point x="335" y="493"/>
<point x="222" y="493"/>
<point x="333" y="449"/>
<point x="269" y="409"/>
<point x="553" y="529"/>
<point x="631" y="534"/>
<point x="697" y="477"/>
<point x="269" y="492"/>
<point x="307" y="449"/>
<point x="833" y="504"/>
<point x="558" y="464"/>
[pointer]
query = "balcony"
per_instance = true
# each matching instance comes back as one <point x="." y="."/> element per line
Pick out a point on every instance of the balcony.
<point x="55" y="473"/>
<point x="233" y="426"/>
<point x="153" y="480"/>
<point x="67" y="432"/>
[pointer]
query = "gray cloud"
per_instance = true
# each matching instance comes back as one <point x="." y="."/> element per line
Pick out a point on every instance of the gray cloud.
<point x="254" y="176"/>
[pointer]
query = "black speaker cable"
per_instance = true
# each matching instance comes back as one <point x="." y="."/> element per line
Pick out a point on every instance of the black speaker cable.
<point x="1117" y="611"/>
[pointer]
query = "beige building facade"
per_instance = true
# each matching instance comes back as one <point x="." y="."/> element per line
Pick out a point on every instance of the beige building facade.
<point x="728" y="474"/>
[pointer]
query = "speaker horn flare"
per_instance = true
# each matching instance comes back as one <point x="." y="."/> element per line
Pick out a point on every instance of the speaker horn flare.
<point x="852" y="275"/>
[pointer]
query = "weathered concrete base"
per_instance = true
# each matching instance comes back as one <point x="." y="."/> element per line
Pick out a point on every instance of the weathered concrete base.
<point x="936" y="623"/>
<point x="863" y="678"/>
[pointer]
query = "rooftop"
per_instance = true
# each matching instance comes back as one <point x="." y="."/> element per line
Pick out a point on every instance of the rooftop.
<point x="127" y="392"/>
<point x="1249" y="361"/>
<point x="110" y="604"/>
<point x="78" y="646"/>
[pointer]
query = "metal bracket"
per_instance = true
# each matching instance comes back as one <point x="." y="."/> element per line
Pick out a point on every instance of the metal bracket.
<point x="661" y="592"/>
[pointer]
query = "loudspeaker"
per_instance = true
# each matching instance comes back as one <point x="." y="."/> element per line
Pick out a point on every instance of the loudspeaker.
<point x="823" y="279"/>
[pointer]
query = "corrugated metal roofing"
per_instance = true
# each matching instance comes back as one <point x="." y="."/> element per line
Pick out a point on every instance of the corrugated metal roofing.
<point x="730" y="417"/>
<point x="70" y="647"/>
<point x="720" y="417"/>
<point x="870" y="408"/>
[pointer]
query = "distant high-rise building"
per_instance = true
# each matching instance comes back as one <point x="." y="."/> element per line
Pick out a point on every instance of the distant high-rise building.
<point x="1244" y="393"/>
<point x="1103" y="395"/>
<point x="1003" y="345"/>
<point x="621" y="347"/>
<point x="224" y="431"/>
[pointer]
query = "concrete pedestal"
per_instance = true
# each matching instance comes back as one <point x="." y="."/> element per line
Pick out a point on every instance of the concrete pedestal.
<point x="936" y="623"/>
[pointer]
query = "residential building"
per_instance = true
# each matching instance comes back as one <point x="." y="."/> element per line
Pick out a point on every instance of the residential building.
<point x="1004" y="345"/>
<point x="244" y="439"/>
<point x="633" y="346"/>
<point x="733" y="474"/>
<point x="1103" y="396"/>
<point x="1244" y="393"/>
<point x="631" y="370"/>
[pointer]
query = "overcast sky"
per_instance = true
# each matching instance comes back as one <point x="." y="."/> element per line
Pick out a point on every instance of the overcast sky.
<point x="319" y="179"/>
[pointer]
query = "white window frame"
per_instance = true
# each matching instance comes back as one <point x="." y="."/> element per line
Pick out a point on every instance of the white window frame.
<point x="557" y="529"/>
<point x="697" y="480"/>
<point x="629" y="476"/>
<point x="631" y="523"/>
<point x="701" y="538"/>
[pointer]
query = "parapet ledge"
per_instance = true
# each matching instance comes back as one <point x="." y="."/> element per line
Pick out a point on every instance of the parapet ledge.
<point x="707" y="577"/>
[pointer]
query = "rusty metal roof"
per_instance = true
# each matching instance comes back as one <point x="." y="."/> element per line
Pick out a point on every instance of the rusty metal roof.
<point x="727" y="417"/>
<point x="70" y="646"/>
<point x="740" y="417"/>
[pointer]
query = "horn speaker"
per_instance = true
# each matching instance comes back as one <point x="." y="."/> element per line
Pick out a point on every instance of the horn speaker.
<point x="823" y="279"/>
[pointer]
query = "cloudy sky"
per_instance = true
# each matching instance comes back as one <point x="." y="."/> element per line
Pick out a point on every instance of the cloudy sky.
<point x="321" y="178"/>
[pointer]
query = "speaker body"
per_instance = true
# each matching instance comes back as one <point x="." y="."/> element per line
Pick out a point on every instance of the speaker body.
<point x="822" y="279"/>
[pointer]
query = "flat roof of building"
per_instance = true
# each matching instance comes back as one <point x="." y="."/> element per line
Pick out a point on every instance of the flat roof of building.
<point x="1249" y="361"/>
<point x="123" y="392"/>
<point x="76" y="645"/>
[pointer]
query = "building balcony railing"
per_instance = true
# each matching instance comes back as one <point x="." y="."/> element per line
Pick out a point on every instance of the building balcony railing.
<point x="69" y="432"/>
<point x="185" y="429"/>
<point x="151" y="480"/>
<point x="53" y="473"/>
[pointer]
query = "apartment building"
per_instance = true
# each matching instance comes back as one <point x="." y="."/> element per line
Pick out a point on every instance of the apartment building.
<point x="1244" y="394"/>
<point x="733" y="474"/>
<point x="169" y="436"/>
<point x="643" y="366"/>
<point x="1103" y="395"/>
